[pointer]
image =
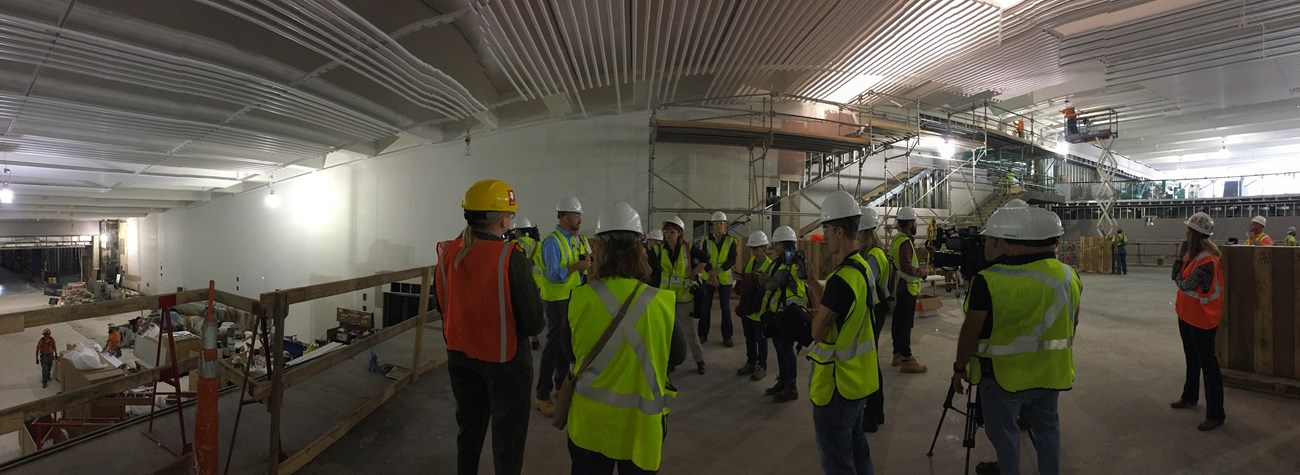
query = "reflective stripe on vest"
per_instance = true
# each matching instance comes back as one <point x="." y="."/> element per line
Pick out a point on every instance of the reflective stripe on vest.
<point x="668" y="269"/>
<point x="1032" y="342"/>
<point x="895" y="257"/>
<point x="718" y="256"/>
<point x="762" y="268"/>
<point x="453" y="312"/>
<point x="878" y="263"/>
<point x="862" y="346"/>
<point x="551" y="291"/>
<point x="847" y="365"/>
<point x="1215" y="292"/>
<point x="794" y="292"/>
<point x="625" y="333"/>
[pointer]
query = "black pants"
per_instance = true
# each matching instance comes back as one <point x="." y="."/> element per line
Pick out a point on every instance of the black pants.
<point x="1120" y="258"/>
<point x="552" y="367"/>
<point x="874" y="413"/>
<point x="587" y="462"/>
<point x="706" y="310"/>
<point x="496" y="393"/>
<point x="1198" y="350"/>
<point x="904" y="316"/>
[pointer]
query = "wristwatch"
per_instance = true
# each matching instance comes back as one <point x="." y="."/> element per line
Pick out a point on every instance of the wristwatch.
<point x="958" y="368"/>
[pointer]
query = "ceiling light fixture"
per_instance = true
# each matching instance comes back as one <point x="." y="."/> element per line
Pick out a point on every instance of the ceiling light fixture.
<point x="6" y="193"/>
<point x="272" y="201"/>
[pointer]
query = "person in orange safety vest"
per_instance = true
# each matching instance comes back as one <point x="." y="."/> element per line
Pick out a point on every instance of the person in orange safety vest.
<point x="1199" y="305"/>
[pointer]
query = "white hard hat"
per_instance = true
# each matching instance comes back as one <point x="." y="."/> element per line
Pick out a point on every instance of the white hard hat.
<point x="1201" y="223"/>
<point x="1259" y="219"/>
<point x="569" y="204"/>
<point x="839" y="204"/>
<point x="1024" y="224"/>
<point x="522" y="223"/>
<point x="906" y="213"/>
<point x="656" y="234"/>
<point x="618" y="217"/>
<point x="1290" y="229"/>
<point x="677" y="221"/>
<point x="1016" y="203"/>
<point x="718" y="216"/>
<point x="870" y="220"/>
<point x="784" y="234"/>
<point x="757" y="238"/>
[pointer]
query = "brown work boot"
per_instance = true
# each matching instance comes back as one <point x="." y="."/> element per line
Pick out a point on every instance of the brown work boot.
<point x="898" y="360"/>
<point x="546" y="408"/>
<point x="1209" y="424"/>
<point x="912" y="365"/>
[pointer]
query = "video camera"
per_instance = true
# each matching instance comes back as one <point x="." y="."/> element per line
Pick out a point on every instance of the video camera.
<point x="961" y="249"/>
<point x="794" y="257"/>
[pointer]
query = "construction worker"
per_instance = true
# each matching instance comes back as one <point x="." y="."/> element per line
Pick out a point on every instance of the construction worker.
<point x="1118" y="251"/>
<point x="114" y="344"/>
<point x="721" y="248"/>
<point x="654" y="239"/>
<point x="1016" y="342"/>
<point x="871" y="247"/>
<point x="489" y="306"/>
<point x="1199" y="304"/>
<point x="1255" y="236"/>
<point x="46" y="352"/>
<point x="565" y="258"/>
<point x="671" y="268"/>
<point x="525" y="234"/>
<point x="622" y="339"/>
<point x="906" y="271"/>
<point x="1290" y="237"/>
<point x="784" y="288"/>
<point x="1071" y="119"/>
<point x="844" y="353"/>
<point x="756" y="269"/>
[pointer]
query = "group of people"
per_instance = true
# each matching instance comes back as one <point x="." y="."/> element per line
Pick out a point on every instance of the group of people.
<point x="617" y="312"/>
<point x="1255" y="236"/>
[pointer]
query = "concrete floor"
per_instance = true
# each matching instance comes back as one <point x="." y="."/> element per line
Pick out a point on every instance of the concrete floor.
<point x="1115" y="420"/>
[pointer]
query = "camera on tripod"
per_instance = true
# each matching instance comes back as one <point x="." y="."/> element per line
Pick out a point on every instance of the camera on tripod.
<point x="794" y="257"/>
<point x="961" y="249"/>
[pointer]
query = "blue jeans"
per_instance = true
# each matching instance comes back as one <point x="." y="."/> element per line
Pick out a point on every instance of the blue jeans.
<point x="755" y="344"/>
<point x="706" y="308"/>
<point x="47" y="363"/>
<point x="1120" y="258"/>
<point x="840" y="443"/>
<point x="787" y="363"/>
<point x="552" y="369"/>
<point x="1001" y="409"/>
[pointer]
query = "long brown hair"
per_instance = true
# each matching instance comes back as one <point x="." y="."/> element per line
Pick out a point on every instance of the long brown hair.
<point x="619" y="254"/>
<point x="870" y="240"/>
<point x="476" y="220"/>
<point x="1198" y="243"/>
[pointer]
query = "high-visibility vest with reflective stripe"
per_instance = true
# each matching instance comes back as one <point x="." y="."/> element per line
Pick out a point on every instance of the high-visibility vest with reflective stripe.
<point x="719" y="255"/>
<point x="764" y="269"/>
<point x="675" y="276"/>
<point x="1031" y="343"/>
<point x="620" y="401"/>
<point x="1261" y="240"/>
<point x="895" y="251"/>
<point x="532" y="248"/>
<point x="883" y="274"/>
<point x="1201" y="309"/>
<point x="570" y="249"/>
<point x="796" y="294"/>
<point x="1290" y="240"/>
<point x="845" y="361"/>
<point x="477" y="316"/>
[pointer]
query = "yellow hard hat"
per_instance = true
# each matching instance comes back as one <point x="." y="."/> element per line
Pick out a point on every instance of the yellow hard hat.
<point x="490" y="195"/>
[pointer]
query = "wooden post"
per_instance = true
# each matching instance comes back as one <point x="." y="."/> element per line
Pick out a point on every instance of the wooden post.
<point x="278" y="305"/>
<point x="426" y="278"/>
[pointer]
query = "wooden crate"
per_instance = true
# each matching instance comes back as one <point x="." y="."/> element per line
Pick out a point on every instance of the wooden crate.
<point x="1094" y="255"/>
<point x="1259" y="334"/>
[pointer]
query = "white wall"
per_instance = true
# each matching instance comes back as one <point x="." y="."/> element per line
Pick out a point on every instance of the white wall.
<point x="386" y="213"/>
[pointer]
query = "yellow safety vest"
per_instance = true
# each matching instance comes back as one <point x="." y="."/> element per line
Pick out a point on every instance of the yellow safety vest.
<point x="675" y="276"/>
<point x="794" y="295"/>
<point x="845" y="361"/>
<point x="1290" y="240"/>
<point x="879" y="264"/>
<point x="570" y="249"/>
<point x="895" y="250"/>
<point x="532" y="248"/>
<point x="765" y="268"/>
<point x="1031" y="345"/>
<point x="620" y="401"/>
<point x="718" y="255"/>
<point x="1257" y="240"/>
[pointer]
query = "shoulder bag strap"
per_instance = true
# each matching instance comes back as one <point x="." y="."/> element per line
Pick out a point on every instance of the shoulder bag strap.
<point x="613" y="325"/>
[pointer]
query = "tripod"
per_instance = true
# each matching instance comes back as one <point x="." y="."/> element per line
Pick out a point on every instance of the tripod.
<point x="974" y="420"/>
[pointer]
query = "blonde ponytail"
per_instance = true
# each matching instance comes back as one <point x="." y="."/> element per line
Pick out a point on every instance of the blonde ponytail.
<point x="468" y="236"/>
<point x="476" y="220"/>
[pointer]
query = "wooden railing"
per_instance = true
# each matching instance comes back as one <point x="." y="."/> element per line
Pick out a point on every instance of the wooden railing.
<point x="274" y="308"/>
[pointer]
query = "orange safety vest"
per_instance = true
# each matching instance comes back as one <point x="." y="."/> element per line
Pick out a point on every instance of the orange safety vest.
<point x="477" y="315"/>
<point x="1260" y="240"/>
<point x="45" y="345"/>
<point x="1201" y="309"/>
<point x="114" y="341"/>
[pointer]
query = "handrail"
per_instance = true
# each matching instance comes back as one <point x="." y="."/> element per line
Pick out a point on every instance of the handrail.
<point x="47" y="316"/>
<point x="316" y="291"/>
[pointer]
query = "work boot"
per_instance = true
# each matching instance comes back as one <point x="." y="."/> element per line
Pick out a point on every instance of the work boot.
<point x="699" y="367"/>
<point x="1179" y="404"/>
<point x="728" y="343"/>
<point x="546" y="408"/>
<point x="744" y="370"/>
<point x="1209" y="424"/>
<point x="912" y="365"/>
<point x="776" y="388"/>
<point x="986" y="468"/>
<point x="45" y="384"/>
<point x="791" y="393"/>
<point x="898" y="360"/>
<point x="758" y="374"/>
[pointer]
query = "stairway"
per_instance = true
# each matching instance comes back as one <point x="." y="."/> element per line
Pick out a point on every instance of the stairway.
<point x="979" y="215"/>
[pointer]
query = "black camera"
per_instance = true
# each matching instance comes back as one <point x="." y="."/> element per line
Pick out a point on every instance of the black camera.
<point x="961" y="249"/>
<point x="793" y="257"/>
